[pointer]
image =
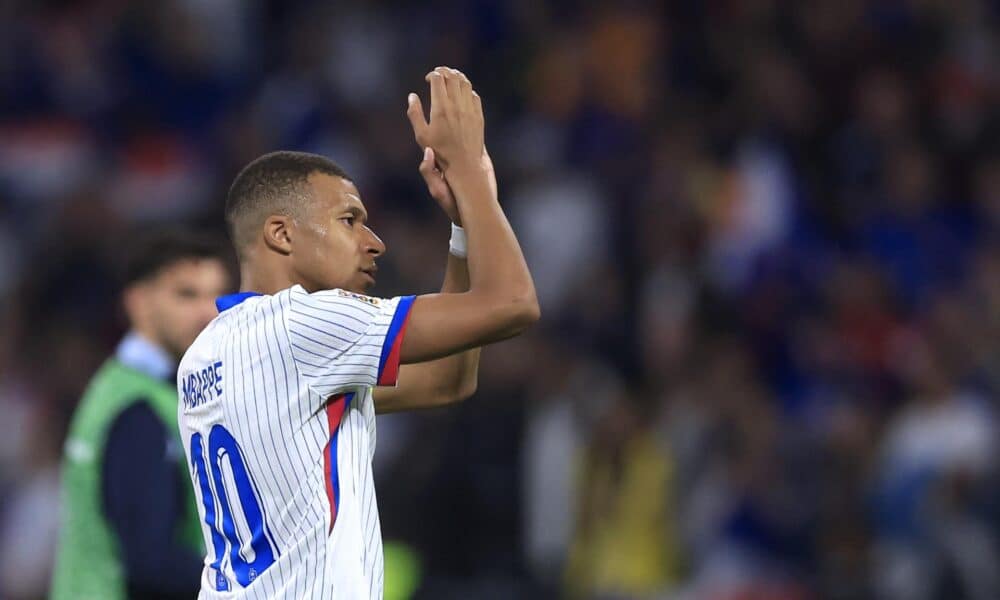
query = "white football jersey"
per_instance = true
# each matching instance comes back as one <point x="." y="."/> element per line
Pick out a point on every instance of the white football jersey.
<point x="278" y="422"/>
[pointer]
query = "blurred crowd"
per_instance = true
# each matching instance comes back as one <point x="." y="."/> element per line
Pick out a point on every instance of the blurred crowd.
<point x="765" y="235"/>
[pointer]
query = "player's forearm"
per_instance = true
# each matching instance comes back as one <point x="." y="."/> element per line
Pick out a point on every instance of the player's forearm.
<point x="456" y="275"/>
<point x="498" y="273"/>
<point x="461" y="369"/>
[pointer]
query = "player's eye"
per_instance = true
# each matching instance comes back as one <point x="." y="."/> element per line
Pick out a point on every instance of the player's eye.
<point x="349" y="220"/>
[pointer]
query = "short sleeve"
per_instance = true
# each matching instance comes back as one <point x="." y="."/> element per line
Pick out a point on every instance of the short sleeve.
<point x="340" y="339"/>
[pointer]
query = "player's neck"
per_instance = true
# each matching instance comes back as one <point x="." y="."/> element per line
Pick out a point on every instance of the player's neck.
<point x="263" y="281"/>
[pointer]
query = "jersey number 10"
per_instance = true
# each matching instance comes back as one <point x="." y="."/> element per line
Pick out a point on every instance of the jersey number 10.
<point x="248" y="561"/>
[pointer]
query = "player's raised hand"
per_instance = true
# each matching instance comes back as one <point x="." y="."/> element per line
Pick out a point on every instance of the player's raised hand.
<point x="438" y="186"/>
<point x="455" y="129"/>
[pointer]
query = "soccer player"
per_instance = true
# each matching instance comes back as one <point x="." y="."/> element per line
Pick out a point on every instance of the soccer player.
<point x="279" y="393"/>
<point x="130" y="525"/>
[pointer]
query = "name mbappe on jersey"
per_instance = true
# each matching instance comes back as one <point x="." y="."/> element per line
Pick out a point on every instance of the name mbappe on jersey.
<point x="203" y="386"/>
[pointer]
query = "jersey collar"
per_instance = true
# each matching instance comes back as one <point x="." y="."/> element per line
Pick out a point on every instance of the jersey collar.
<point x="224" y="303"/>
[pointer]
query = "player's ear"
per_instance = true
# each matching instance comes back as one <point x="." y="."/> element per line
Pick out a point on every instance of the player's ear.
<point x="278" y="233"/>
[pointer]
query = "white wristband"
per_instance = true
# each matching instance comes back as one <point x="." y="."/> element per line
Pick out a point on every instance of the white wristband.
<point x="458" y="244"/>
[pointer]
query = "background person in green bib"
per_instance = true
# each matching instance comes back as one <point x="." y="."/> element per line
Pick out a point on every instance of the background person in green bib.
<point x="129" y="523"/>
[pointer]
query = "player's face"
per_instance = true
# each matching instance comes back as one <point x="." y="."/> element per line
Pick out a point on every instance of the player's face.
<point x="180" y="301"/>
<point x="335" y="248"/>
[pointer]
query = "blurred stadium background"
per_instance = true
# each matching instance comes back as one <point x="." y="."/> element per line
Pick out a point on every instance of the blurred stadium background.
<point x="765" y="234"/>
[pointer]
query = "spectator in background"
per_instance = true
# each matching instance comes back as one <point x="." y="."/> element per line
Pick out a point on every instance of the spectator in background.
<point x="625" y="541"/>
<point x="936" y="461"/>
<point x="130" y="526"/>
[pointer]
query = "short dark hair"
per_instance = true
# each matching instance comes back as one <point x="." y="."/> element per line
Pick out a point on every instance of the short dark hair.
<point x="152" y="250"/>
<point x="272" y="184"/>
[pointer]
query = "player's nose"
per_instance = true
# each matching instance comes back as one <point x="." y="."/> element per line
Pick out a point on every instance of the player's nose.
<point x="374" y="244"/>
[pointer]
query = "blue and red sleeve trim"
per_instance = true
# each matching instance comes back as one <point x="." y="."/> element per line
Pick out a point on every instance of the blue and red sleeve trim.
<point x="388" y="364"/>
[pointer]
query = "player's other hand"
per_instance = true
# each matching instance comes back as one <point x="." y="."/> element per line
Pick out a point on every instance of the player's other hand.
<point x="455" y="130"/>
<point x="438" y="186"/>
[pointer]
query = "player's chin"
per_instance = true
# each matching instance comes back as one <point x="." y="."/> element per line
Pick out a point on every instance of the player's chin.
<point x="367" y="281"/>
<point x="363" y="283"/>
